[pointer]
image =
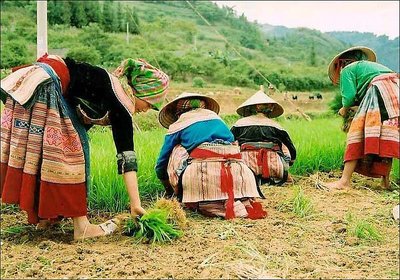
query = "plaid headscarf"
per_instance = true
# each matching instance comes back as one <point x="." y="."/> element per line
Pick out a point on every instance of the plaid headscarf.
<point x="142" y="80"/>
<point x="185" y="105"/>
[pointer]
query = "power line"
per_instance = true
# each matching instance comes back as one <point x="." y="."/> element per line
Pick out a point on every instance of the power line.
<point x="248" y="62"/>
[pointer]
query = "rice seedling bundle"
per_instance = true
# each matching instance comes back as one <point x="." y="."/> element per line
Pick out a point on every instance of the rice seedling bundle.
<point x="162" y="223"/>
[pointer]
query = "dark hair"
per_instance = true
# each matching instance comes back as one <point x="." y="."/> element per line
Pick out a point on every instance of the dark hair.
<point x="354" y="54"/>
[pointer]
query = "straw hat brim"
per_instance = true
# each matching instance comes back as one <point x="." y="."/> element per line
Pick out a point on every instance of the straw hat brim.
<point x="371" y="56"/>
<point x="167" y="115"/>
<point x="260" y="98"/>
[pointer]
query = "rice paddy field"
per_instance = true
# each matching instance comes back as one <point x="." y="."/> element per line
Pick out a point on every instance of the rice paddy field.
<point x="308" y="233"/>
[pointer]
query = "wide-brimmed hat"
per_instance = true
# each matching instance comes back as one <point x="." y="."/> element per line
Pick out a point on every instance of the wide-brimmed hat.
<point x="369" y="53"/>
<point x="259" y="98"/>
<point x="168" y="116"/>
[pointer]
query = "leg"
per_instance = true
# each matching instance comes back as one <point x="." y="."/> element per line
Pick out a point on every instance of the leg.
<point x="84" y="229"/>
<point x="289" y="179"/>
<point x="345" y="180"/>
<point x="45" y="224"/>
<point x="386" y="179"/>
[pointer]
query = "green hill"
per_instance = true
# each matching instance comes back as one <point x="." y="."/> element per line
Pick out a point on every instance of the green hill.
<point x="387" y="51"/>
<point x="172" y="35"/>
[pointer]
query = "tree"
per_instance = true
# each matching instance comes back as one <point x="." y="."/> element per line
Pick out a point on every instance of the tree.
<point x="313" y="60"/>
<point x="95" y="37"/>
<point x="78" y="15"/>
<point x="59" y="12"/>
<point x="14" y="53"/>
<point x="85" y="54"/>
<point x="93" y="11"/>
<point x="133" y="20"/>
<point x="110" y="21"/>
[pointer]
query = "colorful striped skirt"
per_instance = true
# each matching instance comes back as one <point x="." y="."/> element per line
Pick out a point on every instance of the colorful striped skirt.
<point x="371" y="141"/>
<point x="43" y="156"/>
<point x="215" y="180"/>
<point x="267" y="160"/>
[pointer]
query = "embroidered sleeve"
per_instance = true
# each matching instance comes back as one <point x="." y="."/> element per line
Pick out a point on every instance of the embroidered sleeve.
<point x="126" y="162"/>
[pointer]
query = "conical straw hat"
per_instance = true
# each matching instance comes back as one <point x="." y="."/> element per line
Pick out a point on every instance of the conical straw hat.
<point x="371" y="56"/>
<point x="260" y="98"/>
<point x="167" y="115"/>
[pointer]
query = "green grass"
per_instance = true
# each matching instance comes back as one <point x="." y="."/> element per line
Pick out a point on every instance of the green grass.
<point x="320" y="146"/>
<point x="319" y="143"/>
<point x="14" y="230"/>
<point x="107" y="190"/>
<point x="362" y="229"/>
<point x="299" y="204"/>
<point x="302" y="205"/>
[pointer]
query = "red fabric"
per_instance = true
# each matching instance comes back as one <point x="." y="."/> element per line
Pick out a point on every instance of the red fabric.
<point x="383" y="148"/>
<point x="28" y="197"/>
<point x="390" y="76"/>
<point x="262" y="160"/>
<point x="3" y="172"/>
<point x="255" y="211"/>
<point x="62" y="200"/>
<point x="42" y="200"/>
<point x="226" y="176"/>
<point x="374" y="169"/>
<point x="227" y="187"/>
<point x="206" y="154"/>
<point x="12" y="183"/>
<point x="262" y="157"/>
<point x="60" y="68"/>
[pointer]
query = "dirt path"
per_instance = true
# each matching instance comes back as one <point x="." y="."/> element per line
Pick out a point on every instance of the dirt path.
<point x="282" y="245"/>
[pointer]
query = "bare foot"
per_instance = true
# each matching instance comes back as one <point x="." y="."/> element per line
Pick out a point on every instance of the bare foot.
<point x="89" y="232"/>
<point x="45" y="224"/>
<point x="337" y="185"/>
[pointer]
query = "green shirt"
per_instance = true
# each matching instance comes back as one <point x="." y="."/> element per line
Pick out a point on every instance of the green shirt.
<point x="355" y="79"/>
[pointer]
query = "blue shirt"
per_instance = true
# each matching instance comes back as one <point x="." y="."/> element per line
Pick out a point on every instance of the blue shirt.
<point x="190" y="137"/>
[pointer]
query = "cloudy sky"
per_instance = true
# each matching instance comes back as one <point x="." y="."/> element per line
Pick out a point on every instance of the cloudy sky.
<point x="378" y="17"/>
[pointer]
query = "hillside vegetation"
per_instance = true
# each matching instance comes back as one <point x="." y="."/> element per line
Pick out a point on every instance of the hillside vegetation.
<point x="171" y="35"/>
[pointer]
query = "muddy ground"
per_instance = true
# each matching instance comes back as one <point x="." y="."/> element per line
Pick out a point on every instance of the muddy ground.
<point x="283" y="245"/>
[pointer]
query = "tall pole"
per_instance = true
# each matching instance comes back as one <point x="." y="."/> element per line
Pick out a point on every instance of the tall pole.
<point x="127" y="32"/>
<point x="41" y="15"/>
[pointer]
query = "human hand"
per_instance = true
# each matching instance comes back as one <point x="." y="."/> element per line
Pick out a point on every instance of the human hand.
<point x="343" y="111"/>
<point x="137" y="211"/>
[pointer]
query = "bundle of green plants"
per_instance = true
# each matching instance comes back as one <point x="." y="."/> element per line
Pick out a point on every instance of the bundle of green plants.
<point x="152" y="227"/>
<point x="176" y="215"/>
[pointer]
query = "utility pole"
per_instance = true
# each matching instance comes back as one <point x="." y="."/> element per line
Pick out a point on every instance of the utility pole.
<point x="41" y="35"/>
<point x="127" y="33"/>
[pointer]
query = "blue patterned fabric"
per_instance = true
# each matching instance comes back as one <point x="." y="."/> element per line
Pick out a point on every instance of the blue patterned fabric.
<point x="83" y="136"/>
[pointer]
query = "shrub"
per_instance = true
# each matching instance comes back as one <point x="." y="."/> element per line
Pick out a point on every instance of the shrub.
<point x="14" y="53"/>
<point x="85" y="54"/>
<point x="198" y="82"/>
